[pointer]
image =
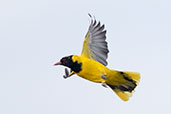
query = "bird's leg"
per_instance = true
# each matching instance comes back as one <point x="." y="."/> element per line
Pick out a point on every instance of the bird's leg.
<point x="103" y="76"/>
<point x="104" y="84"/>
<point x="67" y="74"/>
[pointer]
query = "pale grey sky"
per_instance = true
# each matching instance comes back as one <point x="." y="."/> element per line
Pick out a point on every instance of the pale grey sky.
<point x="34" y="34"/>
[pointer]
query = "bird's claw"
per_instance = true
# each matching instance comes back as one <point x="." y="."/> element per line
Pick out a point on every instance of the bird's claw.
<point x="65" y="76"/>
<point x="104" y="84"/>
<point x="66" y="73"/>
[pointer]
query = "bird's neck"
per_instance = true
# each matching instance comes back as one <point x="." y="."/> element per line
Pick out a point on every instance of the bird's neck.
<point x="75" y="64"/>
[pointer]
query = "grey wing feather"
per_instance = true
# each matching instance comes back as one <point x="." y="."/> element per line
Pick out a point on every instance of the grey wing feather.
<point x="98" y="44"/>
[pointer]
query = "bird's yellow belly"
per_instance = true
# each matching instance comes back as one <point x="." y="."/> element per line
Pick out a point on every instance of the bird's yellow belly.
<point x="92" y="70"/>
<point x="91" y="77"/>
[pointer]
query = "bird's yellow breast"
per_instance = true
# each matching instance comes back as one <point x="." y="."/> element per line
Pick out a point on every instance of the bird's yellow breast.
<point x="91" y="69"/>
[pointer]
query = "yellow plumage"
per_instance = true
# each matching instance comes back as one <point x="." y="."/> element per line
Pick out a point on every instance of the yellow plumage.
<point x="91" y="64"/>
<point x="92" y="70"/>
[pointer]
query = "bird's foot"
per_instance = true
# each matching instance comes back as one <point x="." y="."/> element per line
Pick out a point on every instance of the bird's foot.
<point x="104" y="84"/>
<point x="66" y="73"/>
<point x="65" y="76"/>
<point x="103" y="76"/>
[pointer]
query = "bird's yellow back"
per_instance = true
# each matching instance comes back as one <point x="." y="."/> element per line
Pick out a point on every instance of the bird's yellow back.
<point x="91" y="69"/>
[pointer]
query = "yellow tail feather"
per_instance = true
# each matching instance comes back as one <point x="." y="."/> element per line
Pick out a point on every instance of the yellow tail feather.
<point x="134" y="75"/>
<point x="126" y="88"/>
<point x="123" y="95"/>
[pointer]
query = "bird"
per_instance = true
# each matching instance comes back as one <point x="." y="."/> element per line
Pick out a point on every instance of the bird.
<point x="92" y="63"/>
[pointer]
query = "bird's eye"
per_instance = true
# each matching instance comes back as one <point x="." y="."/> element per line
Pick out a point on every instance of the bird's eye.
<point x="64" y="60"/>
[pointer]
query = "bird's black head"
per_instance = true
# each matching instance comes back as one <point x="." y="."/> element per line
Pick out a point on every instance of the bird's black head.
<point x="65" y="61"/>
<point x="68" y="62"/>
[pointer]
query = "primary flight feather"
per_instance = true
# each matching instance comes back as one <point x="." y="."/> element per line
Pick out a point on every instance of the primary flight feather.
<point x="95" y="46"/>
<point x="91" y="64"/>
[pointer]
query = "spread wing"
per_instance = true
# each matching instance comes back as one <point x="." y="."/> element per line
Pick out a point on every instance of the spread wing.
<point x="95" y="45"/>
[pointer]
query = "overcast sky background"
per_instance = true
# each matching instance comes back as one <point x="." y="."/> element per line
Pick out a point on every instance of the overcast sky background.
<point x="34" y="34"/>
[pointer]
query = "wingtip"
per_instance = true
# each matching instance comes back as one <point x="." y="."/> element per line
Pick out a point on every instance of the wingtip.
<point x="89" y="15"/>
<point x="92" y="16"/>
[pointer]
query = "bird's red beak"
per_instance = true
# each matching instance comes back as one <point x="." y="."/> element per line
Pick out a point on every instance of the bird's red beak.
<point x="58" y="63"/>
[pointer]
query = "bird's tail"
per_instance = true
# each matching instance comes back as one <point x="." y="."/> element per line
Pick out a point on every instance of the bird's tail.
<point x="124" y="84"/>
